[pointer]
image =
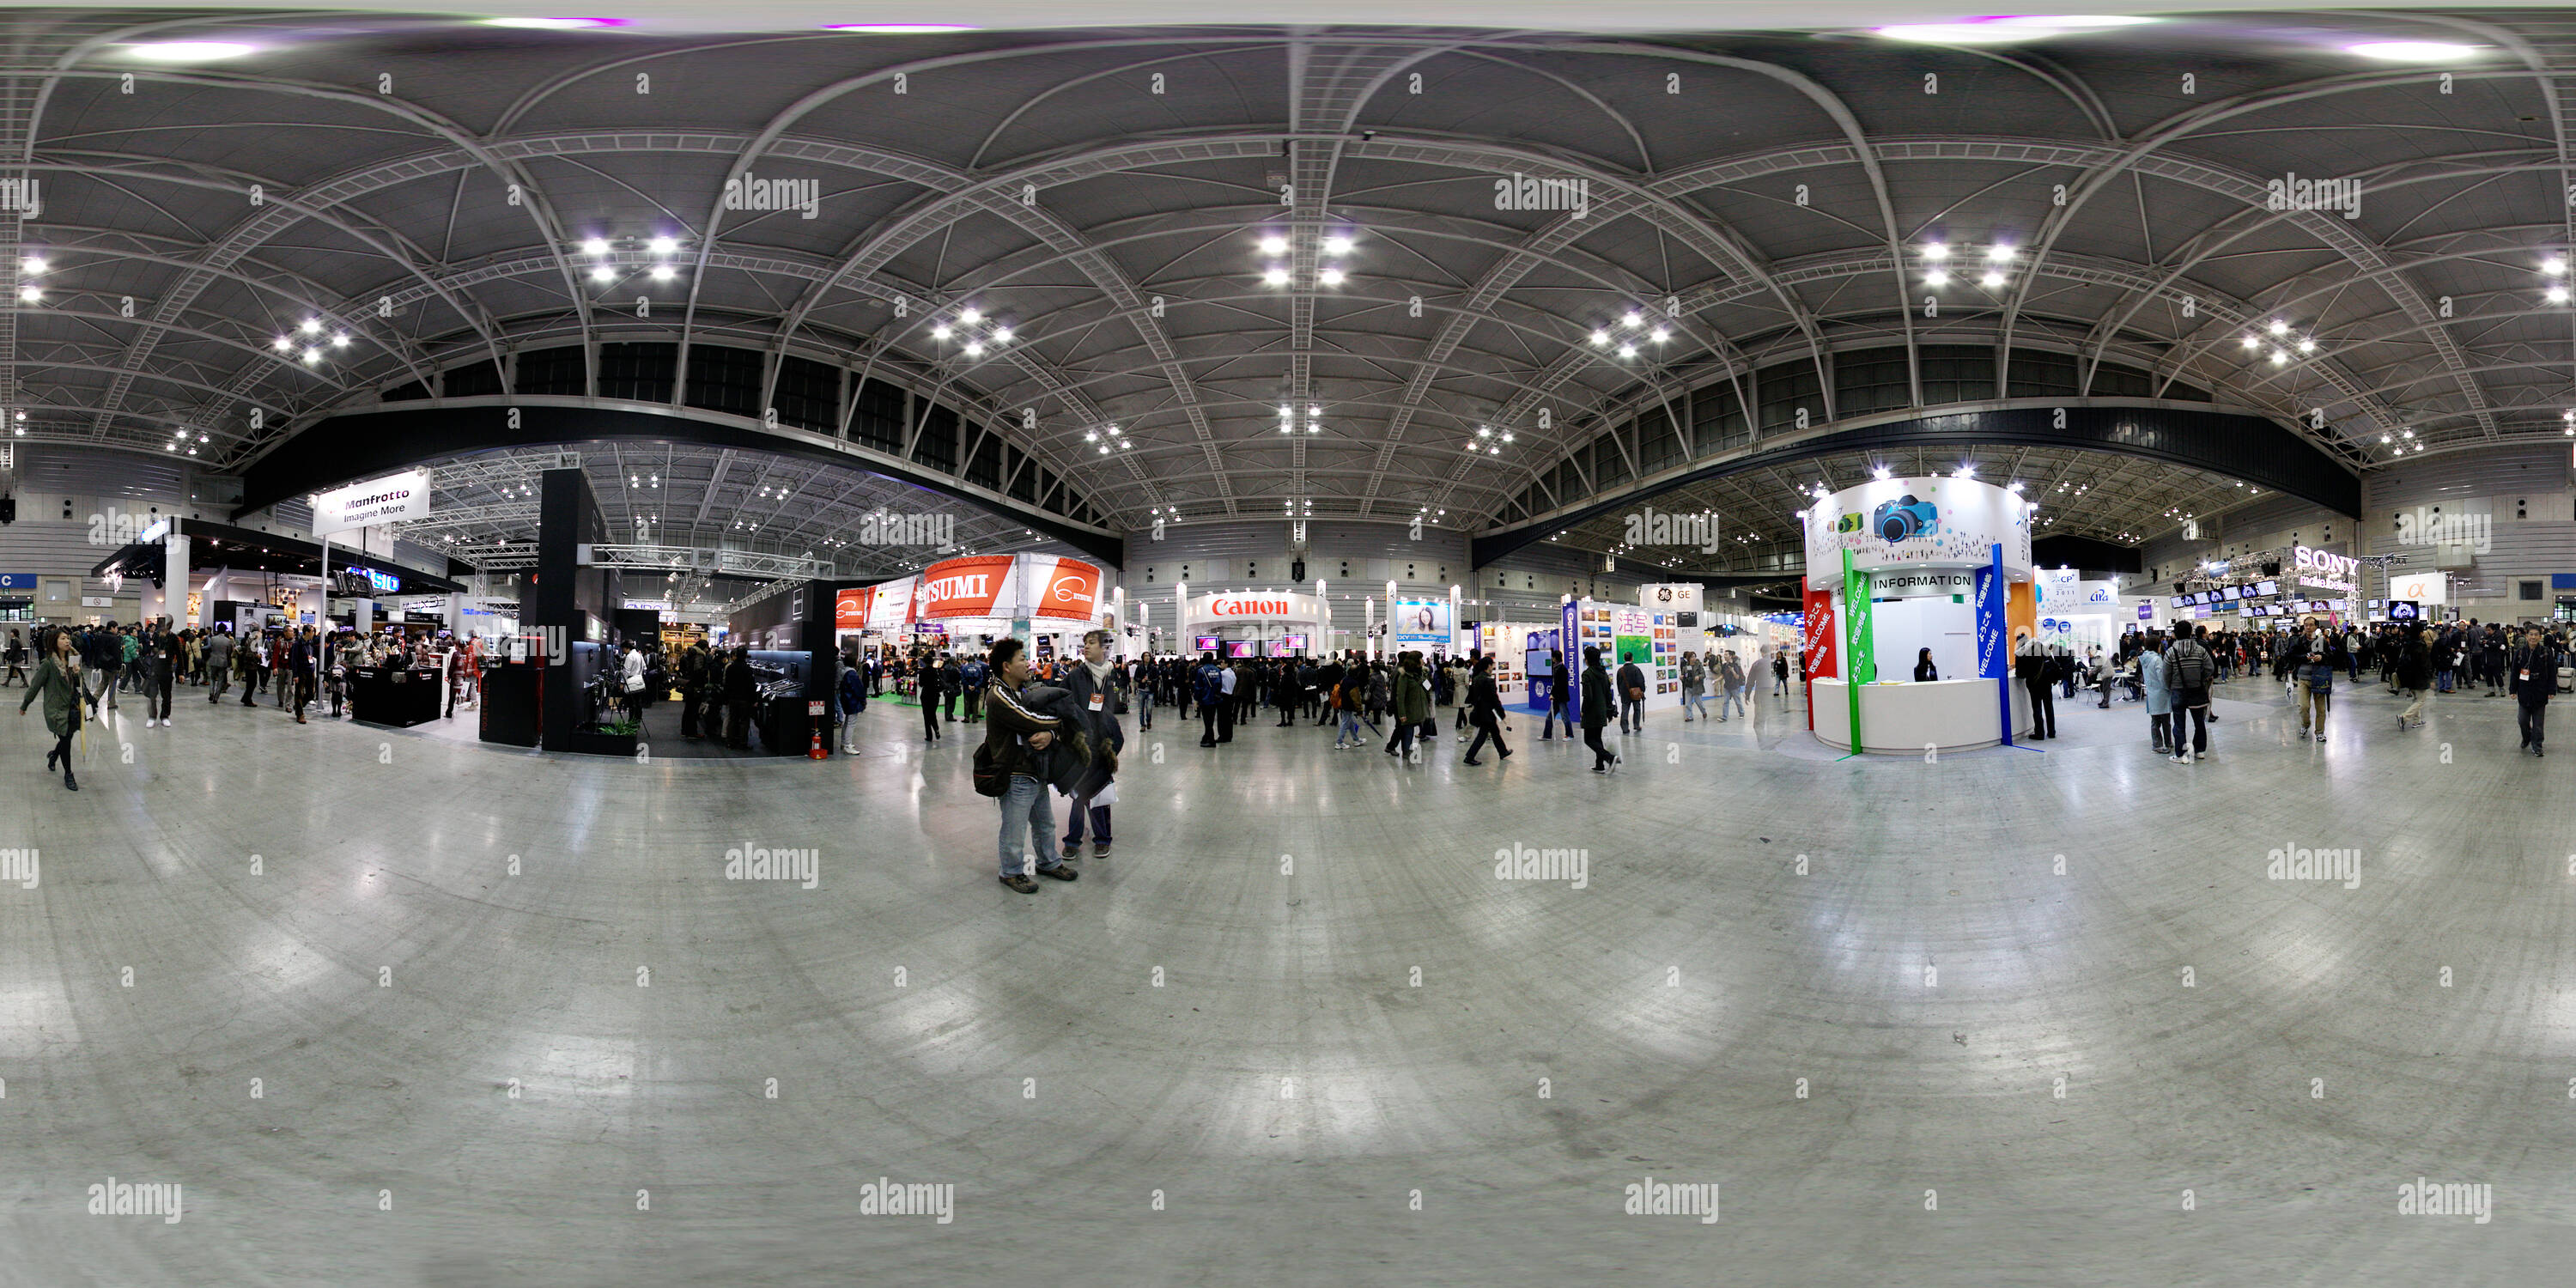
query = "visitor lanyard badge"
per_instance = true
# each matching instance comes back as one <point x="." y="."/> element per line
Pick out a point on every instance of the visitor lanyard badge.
<point x="1095" y="702"/>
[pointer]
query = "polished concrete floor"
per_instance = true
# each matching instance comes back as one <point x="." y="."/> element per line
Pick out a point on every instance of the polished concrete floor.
<point x="1988" y="1020"/>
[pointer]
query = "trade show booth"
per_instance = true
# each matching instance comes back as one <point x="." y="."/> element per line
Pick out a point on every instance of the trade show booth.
<point x="1624" y="633"/>
<point x="1254" y="623"/>
<point x="1896" y="566"/>
<point x="964" y="605"/>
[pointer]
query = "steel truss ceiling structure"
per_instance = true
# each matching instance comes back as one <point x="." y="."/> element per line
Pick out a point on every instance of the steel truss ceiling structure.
<point x="1114" y="257"/>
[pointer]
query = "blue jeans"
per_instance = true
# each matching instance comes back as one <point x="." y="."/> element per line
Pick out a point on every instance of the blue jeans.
<point x="1026" y="819"/>
<point x="1350" y="726"/>
<point x="1693" y="700"/>
<point x="1734" y="702"/>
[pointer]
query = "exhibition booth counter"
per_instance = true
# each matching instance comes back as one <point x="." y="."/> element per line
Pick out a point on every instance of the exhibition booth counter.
<point x="1901" y="569"/>
<point x="1909" y="716"/>
<point x="399" y="696"/>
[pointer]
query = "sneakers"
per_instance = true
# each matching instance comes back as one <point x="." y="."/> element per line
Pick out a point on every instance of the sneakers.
<point x="1021" y="884"/>
<point x="1060" y="872"/>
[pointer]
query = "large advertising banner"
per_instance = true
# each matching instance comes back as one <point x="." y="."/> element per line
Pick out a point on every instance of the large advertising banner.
<point x="2421" y="587"/>
<point x="1061" y="587"/>
<point x="1917" y="522"/>
<point x="1816" y="636"/>
<point x="969" y="586"/>
<point x="1422" y="624"/>
<point x="1632" y="634"/>
<point x="1994" y="656"/>
<point x="850" y="608"/>
<point x="890" y="605"/>
<point x="391" y="499"/>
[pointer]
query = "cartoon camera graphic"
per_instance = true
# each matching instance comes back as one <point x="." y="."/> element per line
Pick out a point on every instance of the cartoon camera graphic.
<point x="1905" y="517"/>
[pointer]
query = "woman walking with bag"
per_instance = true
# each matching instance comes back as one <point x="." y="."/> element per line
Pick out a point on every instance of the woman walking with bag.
<point x="58" y="682"/>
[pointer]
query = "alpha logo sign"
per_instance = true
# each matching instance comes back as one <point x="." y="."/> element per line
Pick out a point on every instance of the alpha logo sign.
<point x="1072" y="589"/>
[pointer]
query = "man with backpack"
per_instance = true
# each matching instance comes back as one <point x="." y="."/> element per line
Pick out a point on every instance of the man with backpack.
<point x="1014" y="759"/>
<point x="970" y="679"/>
<point x="2189" y="668"/>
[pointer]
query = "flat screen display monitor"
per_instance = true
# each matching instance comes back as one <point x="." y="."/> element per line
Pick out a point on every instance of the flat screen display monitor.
<point x="1291" y="644"/>
<point x="1243" y="648"/>
<point x="2177" y="601"/>
<point x="2404" y="610"/>
<point x="2267" y="589"/>
<point x="1203" y="644"/>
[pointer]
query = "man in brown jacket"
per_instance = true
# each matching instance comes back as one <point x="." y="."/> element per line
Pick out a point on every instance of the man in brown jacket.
<point x="1016" y="740"/>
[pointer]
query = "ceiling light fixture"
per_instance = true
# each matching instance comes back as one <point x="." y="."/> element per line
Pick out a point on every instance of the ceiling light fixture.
<point x="2414" y="51"/>
<point x="189" y="51"/>
<point x="554" y="24"/>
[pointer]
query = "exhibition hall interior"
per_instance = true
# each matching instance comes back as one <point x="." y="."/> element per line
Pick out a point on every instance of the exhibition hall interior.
<point x="1421" y="643"/>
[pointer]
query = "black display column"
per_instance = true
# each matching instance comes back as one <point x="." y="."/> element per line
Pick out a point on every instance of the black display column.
<point x="569" y="609"/>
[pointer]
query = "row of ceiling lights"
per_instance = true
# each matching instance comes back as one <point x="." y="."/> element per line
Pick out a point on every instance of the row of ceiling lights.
<point x="2277" y="332"/>
<point x="1936" y="264"/>
<point x="311" y="330"/>
<point x="2024" y="27"/>
<point x="1627" y="330"/>
<point x="1274" y="245"/>
<point x="979" y="329"/>
<point x="604" y="272"/>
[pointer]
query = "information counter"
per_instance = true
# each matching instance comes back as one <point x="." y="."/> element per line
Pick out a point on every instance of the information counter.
<point x="394" y="695"/>
<point x="1950" y="715"/>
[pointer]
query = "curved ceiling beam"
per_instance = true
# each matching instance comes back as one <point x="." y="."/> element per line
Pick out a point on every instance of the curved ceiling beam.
<point x="355" y="445"/>
<point x="2245" y="447"/>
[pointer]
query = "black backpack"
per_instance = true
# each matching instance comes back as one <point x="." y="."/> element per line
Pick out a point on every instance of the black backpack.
<point x="990" y="780"/>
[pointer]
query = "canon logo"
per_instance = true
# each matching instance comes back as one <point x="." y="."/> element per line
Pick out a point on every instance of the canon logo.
<point x="1249" y="608"/>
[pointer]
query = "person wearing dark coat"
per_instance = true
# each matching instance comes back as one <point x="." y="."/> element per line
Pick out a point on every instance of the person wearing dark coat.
<point x="854" y="699"/>
<point x="741" y="689"/>
<point x="1020" y="744"/>
<point x="1597" y="706"/>
<point x="2531" y="672"/>
<point x="2414" y="675"/>
<point x="1632" y="698"/>
<point x="58" y="682"/>
<point x="1094" y="685"/>
<point x="933" y="683"/>
<point x="1485" y="711"/>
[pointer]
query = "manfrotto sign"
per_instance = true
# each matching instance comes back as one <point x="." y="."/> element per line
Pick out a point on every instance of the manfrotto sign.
<point x="393" y="499"/>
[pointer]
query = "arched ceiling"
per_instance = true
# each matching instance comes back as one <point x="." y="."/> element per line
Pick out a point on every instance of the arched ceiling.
<point x="425" y="185"/>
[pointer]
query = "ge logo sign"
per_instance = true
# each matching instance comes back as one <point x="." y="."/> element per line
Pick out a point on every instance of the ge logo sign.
<point x="1665" y="594"/>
